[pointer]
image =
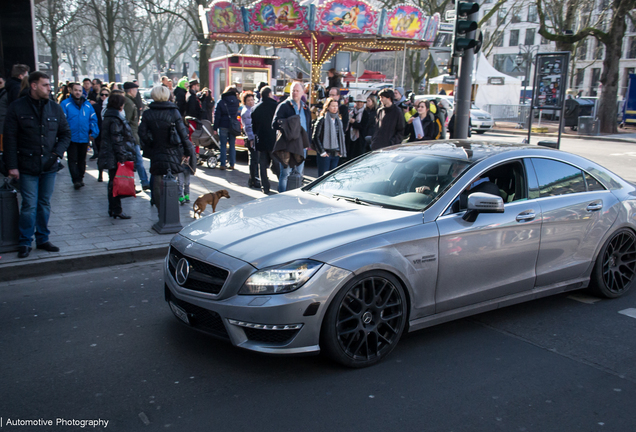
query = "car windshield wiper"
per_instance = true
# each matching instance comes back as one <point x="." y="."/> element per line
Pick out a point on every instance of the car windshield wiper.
<point x="356" y="200"/>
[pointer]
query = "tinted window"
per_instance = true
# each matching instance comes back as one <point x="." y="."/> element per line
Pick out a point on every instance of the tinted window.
<point x="558" y="178"/>
<point x="593" y="184"/>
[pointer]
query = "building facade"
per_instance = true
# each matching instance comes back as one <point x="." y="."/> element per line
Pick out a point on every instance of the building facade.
<point x="514" y="29"/>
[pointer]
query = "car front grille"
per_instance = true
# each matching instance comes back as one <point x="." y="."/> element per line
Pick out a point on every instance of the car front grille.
<point x="203" y="319"/>
<point x="270" y="336"/>
<point x="203" y="277"/>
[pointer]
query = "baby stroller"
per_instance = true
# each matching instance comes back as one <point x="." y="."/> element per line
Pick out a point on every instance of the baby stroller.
<point x="207" y="145"/>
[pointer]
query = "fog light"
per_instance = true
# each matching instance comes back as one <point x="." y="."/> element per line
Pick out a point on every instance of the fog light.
<point x="265" y="326"/>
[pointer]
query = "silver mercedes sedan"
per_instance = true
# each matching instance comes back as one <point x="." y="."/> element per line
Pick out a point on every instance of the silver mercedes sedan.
<point x="399" y="240"/>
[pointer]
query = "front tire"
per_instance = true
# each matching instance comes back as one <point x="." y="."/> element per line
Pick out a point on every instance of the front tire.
<point x="365" y="320"/>
<point x="211" y="162"/>
<point x="615" y="267"/>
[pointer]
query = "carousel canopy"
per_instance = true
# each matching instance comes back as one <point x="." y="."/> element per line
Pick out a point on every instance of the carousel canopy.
<point x="319" y="31"/>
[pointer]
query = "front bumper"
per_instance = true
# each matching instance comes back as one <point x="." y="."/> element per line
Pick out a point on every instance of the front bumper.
<point x="281" y="323"/>
<point x="482" y="124"/>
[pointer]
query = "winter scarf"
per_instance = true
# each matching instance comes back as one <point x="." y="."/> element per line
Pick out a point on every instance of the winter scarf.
<point x="334" y="137"/>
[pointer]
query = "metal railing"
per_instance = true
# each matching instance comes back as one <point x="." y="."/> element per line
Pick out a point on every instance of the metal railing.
<point x="509" y="113"/>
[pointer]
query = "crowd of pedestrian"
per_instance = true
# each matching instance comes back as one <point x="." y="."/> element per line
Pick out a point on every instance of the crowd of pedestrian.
<point x="113" y="120"/>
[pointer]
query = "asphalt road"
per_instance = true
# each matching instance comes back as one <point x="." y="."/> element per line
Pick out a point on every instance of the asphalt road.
<point x="104" y="345"/>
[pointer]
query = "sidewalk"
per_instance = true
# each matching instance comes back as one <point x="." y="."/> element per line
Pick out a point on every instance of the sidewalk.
<point x="623" y="135"/>
<point x="89" y="238"/>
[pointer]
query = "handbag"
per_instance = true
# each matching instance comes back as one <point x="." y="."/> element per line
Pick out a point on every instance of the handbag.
<point x="235" y="124"/>
<point x="124" y="181"/>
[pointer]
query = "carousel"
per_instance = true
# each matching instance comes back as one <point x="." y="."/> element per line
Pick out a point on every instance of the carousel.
<point x="318" y="30"/>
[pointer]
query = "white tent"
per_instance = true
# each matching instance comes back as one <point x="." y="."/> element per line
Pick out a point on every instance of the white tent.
<point x="494" y="87"/>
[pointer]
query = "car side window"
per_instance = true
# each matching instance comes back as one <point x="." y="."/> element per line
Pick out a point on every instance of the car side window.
<point x="558" y="178"/>
<point x="507" y="181"/>
<point x="592" y="183"/>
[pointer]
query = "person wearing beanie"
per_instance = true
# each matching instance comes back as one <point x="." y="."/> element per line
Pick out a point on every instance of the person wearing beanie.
<point x="180" y="95"/>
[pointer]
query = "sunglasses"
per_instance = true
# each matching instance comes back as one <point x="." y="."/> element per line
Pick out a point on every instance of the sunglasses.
<point x="104" y="94"/>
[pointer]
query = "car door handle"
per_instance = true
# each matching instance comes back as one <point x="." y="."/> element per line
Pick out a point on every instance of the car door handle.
<point x="526" y="216"/>
<point x="594" y="206"/>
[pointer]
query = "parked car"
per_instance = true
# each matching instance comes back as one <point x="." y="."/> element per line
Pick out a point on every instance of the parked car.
<point x="481" y="120"/>
<point x="402" y="239"/>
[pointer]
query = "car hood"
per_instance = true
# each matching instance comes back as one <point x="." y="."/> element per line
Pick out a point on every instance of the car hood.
<point x="293" y="225"/>
<point x="479" y="112"/>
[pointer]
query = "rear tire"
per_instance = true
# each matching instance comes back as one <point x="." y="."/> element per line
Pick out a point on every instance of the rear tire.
<point x="365" y="320"/>
<point x="615" y="267"/>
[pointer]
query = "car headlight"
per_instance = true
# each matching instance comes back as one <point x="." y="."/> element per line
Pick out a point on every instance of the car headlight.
<point x="281" y="279"/>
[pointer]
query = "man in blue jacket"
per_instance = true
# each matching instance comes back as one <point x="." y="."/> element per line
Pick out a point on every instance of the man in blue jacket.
<point x="82" y="120"/>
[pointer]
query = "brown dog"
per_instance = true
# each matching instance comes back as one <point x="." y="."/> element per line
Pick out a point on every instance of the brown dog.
<point x="209" y="198"/>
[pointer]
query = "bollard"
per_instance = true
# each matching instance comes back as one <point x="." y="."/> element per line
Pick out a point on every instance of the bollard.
<point x="169" y="221"/>
<point x="9" y="218"/>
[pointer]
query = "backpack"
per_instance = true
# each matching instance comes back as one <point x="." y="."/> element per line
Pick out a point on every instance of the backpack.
<point x="435" y="110"/>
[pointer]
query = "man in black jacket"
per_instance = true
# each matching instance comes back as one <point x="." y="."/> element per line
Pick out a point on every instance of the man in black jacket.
<point x="265" y="136"/>
<point x="390" y="122"/>
<point x="18" y="72"/>
<point x="193" y="105"/>
<point x="288" y="108"/>
<point x="36" y="133"/>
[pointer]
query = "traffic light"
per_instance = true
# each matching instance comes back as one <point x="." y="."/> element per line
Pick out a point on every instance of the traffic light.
<point x="464" y="25"/>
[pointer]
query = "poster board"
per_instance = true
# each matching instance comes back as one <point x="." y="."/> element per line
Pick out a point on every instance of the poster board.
<point x="550" y="80"/>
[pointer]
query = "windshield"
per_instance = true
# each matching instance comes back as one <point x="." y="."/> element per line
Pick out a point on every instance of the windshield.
<point x="392" y="180"/>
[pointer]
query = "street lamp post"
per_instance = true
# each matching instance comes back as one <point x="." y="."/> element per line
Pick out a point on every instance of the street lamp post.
<point x="526" y="55"/>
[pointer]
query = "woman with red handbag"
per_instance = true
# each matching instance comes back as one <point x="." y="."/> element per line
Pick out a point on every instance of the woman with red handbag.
<point x="117" y="148"/>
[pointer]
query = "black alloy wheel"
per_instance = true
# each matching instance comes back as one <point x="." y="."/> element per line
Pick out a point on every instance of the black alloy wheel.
<point x="365" y="320"/>
<point x="615" y="266"/>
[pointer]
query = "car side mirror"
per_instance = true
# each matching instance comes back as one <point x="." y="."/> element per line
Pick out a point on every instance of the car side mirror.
<point x="480" y="202"/>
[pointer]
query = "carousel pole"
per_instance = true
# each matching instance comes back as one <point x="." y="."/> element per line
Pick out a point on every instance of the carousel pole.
<point x="403" y="64"/>
<point x="394" y="71"/>
<point x="311" y="74"/>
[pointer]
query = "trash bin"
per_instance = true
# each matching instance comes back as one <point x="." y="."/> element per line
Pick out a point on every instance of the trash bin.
<point x="588" y="125"/>
<point x="575" y="108"/>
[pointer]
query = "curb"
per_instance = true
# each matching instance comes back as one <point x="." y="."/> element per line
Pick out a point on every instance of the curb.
<point x="555" y="135"/>
<point x="50" y="266"/>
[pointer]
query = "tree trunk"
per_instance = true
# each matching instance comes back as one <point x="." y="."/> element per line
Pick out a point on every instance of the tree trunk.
<point x="205" y="50"/>
<point x="55" y="65"/>
<point x="607" y="110"/>
<point x="110" y="43"/>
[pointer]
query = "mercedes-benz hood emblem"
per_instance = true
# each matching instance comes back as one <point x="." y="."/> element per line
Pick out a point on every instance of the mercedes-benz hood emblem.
<point x="182" y="271"/>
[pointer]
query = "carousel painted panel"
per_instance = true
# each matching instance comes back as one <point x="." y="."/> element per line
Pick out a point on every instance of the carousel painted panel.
<point x="278" y="15"/>
<point x="432" y="28"/>
<point x="406" y="22"/>
<point x="347" y="16"/>
<point x="224" y="17"/>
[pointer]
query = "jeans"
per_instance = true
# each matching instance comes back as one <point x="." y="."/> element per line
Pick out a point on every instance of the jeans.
<point x="36" y="207"/>
<point x="224" y="137"/>
<point x="264" y="160"/>
<point x="76" y="156"/>
<point x="114" y="203"/>
<point x="253" y="164"/>
<point x="284" y="173"/>
<point x="183" y="182"/>
<point x="326" y="163"/>
<point x="139" y="166"/>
